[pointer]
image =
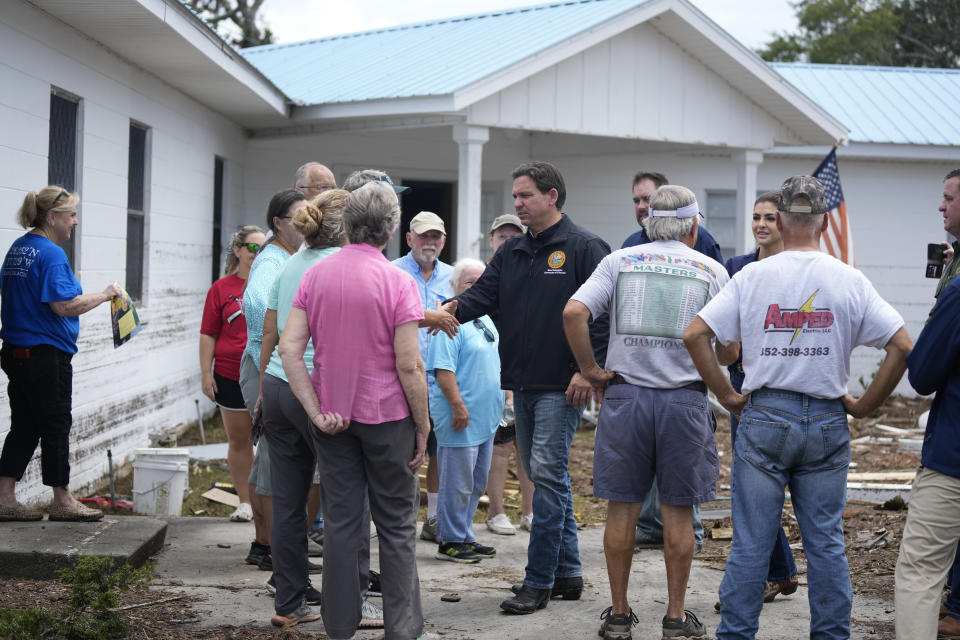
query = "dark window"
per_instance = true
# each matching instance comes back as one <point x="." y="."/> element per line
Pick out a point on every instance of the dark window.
<point x="136" y="209"/>
<point x="217" y="214"/>
<point x="62" y="152"/>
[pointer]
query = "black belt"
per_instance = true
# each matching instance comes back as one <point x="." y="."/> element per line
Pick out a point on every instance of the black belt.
<point x="693" y="386"/>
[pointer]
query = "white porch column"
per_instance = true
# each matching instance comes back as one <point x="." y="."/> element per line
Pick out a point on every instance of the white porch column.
<point x="470" y="139"/>
<point x="747" y="162"/>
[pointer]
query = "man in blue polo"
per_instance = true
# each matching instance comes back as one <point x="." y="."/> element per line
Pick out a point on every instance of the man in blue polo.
<point x="426" y="238"/>
<point x="644" y="184"/>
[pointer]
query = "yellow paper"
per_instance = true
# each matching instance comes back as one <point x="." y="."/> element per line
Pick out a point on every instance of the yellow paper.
<point x="126" y="323"/>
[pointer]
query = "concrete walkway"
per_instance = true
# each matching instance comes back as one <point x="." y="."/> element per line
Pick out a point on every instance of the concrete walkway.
<point x="232" y="593"/>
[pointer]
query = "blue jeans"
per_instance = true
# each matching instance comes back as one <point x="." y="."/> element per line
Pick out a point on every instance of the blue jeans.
<point x="782" y="565"/>
<point x="789" y="439"/>
<point x="545" y="428"/>
<point x="650" y="525"/>
<point x="463" y="479"/>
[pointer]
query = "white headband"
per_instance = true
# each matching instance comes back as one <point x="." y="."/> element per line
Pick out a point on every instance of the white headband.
<point x="689" y="211"/>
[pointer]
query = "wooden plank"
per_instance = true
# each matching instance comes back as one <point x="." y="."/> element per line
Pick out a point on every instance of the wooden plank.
<point x="221" y="496"/>
<point x="882" y="476"/>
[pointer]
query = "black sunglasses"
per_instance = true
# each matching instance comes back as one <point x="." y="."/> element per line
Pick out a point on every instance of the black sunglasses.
<point x="478" y="323"/>
<point x="59" y="195"/>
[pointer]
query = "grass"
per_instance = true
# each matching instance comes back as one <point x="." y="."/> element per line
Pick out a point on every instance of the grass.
<point x="212" y="429"/>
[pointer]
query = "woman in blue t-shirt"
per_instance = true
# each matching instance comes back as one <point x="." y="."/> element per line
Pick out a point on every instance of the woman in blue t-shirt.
<point x="39" y="325"/>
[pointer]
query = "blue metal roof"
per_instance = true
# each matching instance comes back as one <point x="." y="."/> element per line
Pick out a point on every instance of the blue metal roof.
<point x="900" y="105"/>
<point x="425" y="59"/>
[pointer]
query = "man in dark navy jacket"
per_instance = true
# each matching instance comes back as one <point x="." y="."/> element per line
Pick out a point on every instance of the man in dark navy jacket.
<point x="644" y="184"/>
<point x="933" y="523"/>
<point x="528" y="281"/>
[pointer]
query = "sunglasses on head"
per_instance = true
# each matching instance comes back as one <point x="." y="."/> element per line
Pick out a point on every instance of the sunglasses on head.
<point x="252" y="247"/>
<point x="59" y="195"/>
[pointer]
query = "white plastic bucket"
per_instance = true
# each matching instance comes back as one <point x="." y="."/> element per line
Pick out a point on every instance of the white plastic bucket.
<point x="160" y="480"/>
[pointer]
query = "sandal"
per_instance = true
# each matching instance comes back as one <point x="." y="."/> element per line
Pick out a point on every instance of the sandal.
<point x="74" y="513"/>
<point x="19" y="513"/>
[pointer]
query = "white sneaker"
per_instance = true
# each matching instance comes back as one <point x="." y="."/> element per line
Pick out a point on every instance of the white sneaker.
<point x="501" y="524"/>
<point x="243" y="513"/>
<point x="526" y="522"/>
<point x="371" y="616"/>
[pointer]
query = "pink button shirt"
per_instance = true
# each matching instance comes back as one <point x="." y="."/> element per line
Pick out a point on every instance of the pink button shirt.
<point x="354" y="300"/>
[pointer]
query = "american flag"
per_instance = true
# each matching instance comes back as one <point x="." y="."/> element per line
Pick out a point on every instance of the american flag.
<point x="838" y="240"/>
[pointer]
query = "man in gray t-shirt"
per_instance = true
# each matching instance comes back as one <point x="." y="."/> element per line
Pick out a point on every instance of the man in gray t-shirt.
<point x="655" y="421"/>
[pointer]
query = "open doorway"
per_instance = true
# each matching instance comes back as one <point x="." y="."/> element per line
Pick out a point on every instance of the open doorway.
<point x="428" y="196"/>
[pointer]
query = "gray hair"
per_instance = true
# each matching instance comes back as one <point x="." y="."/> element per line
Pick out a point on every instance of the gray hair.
<point x="371" y="214"/>
<point x="796" y="220"/>
<point x="460" y="266"/>
<point x="303" y="173"/>
<point x="361" y="177"/>
<point x="667" y="198"/>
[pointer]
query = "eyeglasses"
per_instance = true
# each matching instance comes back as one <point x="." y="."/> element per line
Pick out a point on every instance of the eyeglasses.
<point x="317" y="187"/>
<point x="59" y="195"/>
<point x="478" y="323"/>
<point x="252" y="247"/>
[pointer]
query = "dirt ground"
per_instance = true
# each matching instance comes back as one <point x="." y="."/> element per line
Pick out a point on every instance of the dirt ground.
<point x="871" y="568"/>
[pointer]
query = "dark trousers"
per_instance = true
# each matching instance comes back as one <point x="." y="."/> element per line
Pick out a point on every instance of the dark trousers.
<point x="370" y="460"/>
<point x="292" y="462"/>
<point x="40" y="390"/>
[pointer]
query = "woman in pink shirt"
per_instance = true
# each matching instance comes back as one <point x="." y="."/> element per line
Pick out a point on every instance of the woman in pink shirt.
<point x="367" y="398"/>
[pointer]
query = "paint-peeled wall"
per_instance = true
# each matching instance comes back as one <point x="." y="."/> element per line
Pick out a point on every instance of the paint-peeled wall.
<point x="148" y="385"/>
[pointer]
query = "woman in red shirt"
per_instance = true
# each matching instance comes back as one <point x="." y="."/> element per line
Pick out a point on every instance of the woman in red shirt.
<point x="223" y="335"/>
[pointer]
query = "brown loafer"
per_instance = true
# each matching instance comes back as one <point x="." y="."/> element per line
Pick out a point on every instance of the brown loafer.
<point x="75" y="513"/>
<point x="19" y="513"/>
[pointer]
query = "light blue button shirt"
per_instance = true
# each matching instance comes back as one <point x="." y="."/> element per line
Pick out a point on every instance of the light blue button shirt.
<point x="436" y="288"/>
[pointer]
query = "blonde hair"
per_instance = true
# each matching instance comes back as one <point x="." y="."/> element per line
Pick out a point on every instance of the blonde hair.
<point x="321" y="221"/>
<point x="37" y="204"/>
<point x="238" y="240"/>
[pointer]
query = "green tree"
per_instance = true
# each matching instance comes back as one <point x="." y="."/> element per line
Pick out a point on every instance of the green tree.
<point x="235" y="20"/>
<point x="840" y="32"/>
<point x="930" y="34"/>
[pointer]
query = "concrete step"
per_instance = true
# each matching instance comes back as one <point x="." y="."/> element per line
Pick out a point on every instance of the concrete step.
<point x="39" y="549"/>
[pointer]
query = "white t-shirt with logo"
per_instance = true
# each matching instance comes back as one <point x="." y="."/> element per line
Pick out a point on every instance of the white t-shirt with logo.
<point x="798" y="315"/>
<point x="653" y="292"/>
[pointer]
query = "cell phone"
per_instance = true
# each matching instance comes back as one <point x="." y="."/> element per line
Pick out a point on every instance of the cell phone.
<point x="935" y="260"/>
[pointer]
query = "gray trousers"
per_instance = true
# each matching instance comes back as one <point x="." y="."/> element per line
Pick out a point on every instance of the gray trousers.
<point x="370" y="461"/>
<point x="292" y="464"/>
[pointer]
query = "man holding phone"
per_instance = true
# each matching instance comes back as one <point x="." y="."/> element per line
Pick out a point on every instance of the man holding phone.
<point x="950" y="208"/>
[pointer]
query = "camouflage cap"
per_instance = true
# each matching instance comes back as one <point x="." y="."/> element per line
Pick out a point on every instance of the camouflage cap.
<point x="807" y="186"/>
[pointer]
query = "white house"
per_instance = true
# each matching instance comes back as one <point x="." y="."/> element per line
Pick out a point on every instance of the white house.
<point x="602" y="88"/>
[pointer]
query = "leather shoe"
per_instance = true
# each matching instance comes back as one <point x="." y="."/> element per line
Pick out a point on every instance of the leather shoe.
<point x="566" y="588"/>
<point x="527" y="601"/>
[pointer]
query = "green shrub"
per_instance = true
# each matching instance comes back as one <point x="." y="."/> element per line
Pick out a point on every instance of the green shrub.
<point x="91" y="612"/>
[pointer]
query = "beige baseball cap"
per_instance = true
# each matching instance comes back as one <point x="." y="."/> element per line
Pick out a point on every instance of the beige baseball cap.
<point x="427" y="221"/>
<point x="506" y="219"/>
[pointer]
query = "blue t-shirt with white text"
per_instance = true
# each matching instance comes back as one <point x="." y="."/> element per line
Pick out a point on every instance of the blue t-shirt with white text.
<point x="36" y="272"/>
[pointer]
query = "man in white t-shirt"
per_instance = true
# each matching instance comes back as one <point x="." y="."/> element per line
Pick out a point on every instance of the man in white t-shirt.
<point x="655" y="422"/>
<point x="797" y="316"/>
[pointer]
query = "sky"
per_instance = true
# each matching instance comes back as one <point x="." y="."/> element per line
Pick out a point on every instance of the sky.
<point x="752" y="22"/>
